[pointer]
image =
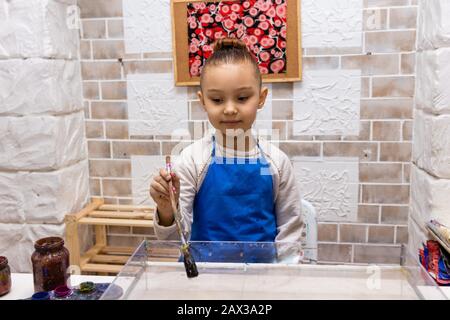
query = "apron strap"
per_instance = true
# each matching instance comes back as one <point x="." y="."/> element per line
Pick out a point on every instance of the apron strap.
<point x="213" y="152"/>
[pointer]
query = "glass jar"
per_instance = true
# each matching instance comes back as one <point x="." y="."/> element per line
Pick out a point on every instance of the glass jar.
<point x="5" y="276"/>
<point x="50" y="264"/>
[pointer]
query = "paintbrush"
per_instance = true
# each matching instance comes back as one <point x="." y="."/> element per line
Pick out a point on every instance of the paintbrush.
<point x="189" y="263"/>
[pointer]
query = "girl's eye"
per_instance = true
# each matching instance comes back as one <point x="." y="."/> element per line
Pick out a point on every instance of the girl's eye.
<point x="216" y="100"/>
<point x="242" y="99"/>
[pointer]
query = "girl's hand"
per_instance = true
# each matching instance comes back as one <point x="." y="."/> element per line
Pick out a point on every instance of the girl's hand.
<point x="160" y="193"/>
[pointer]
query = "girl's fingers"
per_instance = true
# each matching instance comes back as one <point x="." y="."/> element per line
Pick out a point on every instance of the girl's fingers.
<point x="162" y="181"/>
<point x="160" y="188"/>
<point x="164" y="178"/>
<point x="158" y="195"/>
<point x="164" y="174"/>
<point x="163" y="198"/>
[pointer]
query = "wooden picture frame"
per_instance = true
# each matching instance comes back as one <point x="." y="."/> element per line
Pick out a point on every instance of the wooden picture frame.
<point x="292" y="70"/>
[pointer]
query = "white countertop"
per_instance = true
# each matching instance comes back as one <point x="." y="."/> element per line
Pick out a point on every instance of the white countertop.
<point x="22" y="284"/>
<point x="218" y="281"/>
<point x="22" y="287"/>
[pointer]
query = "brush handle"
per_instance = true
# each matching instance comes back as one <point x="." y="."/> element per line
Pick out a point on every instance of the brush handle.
<point x="189" y="262"/>
<point x="173" y="203"/>
<point x="171" y="194"/>
<point x="172" y="199"/>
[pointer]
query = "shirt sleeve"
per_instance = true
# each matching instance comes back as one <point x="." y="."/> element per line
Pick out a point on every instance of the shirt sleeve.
<point x="185" y="168"/>
<point x="288" y="205"/>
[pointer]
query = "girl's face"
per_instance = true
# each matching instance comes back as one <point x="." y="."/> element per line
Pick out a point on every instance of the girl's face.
<point x="231" y="96"/>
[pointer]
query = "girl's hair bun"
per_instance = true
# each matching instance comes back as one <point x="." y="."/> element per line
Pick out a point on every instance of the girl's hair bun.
<point x="230" y="50"/>
<point x="229" y="43"/>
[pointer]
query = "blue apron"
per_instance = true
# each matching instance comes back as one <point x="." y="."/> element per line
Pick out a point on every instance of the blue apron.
<point x="235" y="203"/>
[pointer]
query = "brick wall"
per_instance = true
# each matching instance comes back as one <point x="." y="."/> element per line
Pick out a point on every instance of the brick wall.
<point x="363" y="56"/>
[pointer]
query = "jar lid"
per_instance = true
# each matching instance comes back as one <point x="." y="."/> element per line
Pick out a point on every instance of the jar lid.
<point x="49" y="243"/>
<point x="41" y="295"/>
<point x="62" y="291"/>
<point x="3" y="261"/>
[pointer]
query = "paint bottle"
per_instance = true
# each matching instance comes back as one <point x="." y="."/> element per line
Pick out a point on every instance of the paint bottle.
<point x="5" y="276"/>
<point x="50" y="262"/>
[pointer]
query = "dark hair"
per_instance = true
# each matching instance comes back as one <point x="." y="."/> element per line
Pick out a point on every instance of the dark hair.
<point x="230" y="50"/>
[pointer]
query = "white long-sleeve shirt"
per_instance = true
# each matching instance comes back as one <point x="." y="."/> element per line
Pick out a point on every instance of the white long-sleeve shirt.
<point x="192" y="165"/>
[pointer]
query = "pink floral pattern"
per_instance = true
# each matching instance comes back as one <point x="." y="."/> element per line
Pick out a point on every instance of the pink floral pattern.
<point x="261" y="24"/>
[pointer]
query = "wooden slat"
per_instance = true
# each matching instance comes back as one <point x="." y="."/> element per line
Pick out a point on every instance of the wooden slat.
<point x="93" y="267"/>
<point x="120" y="215"/>
<point x="90" y="207"/>
<point x="89" y="254"/>
<point x="117" y="222"/>
<point x="100" y="235"/>
<point x="72" y="242"/>
<point x="123" y="207"/>
<point x="104" y="258"/>
<point x="120" y="250"/>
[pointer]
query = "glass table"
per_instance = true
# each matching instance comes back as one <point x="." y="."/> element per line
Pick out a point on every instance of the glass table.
<point x="263" y="271"/>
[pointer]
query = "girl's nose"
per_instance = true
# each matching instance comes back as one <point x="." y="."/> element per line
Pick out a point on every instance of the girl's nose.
<point x="230" y="108"/>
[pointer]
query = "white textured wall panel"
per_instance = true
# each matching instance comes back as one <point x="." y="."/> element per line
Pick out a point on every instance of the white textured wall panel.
<point x="433" y="28"/>
<point x="416" y="234"/>
<point x="431" y="148"/>
<point x="37" y="28"/>
<point x="433" y="79"/>
<point x="147" y="26"/>
<point x="71" y="2"/>
<point x="17" y="242"/>
<point x="12" y="198"/>
<point x="328" y="23"/>
<point x="429" y="197"/>
<point x="327" y="102"/>
<point x="41" y="142"/>
<point x="38" y="86"/>
<point x="143" y="169"/>
<point x="263" y="123"/>
<point x="155" y="105"/>
<point x="421" y="97"/>
<point x="331" y="185"/>
<point x="43" y="197"/>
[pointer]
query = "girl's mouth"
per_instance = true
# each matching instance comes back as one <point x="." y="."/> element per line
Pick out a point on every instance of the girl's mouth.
<point x="231" y="121"/>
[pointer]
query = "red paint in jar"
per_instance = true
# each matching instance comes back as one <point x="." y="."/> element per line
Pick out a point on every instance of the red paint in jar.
<point x="50" y="264"/>
<point x="5" y="276"/>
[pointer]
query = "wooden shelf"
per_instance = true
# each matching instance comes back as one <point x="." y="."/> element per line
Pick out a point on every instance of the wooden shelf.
<point x="102" y="258"/>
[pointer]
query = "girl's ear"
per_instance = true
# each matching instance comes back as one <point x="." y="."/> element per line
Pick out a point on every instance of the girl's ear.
<point x="262" y="97"/>
<point x="201" y="98"/>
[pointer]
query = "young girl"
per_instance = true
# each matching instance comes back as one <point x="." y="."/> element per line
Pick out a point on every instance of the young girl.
<point x="230" y="185"/>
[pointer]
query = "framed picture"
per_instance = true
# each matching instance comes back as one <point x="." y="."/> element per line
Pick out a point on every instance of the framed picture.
<point x="270" y="28"/>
